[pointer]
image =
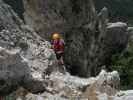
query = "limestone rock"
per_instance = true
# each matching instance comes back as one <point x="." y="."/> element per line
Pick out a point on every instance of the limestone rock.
<point x="124" y="95"/>
<point x="90" y="43"/>
<point x="15" y="72"/>
<point x="75" y="19"/>
<point x="49" y="16"/>
<point x="27" y="67"/>
<point x="66" y="87"/>
<point x="88" y="56"/>
<point x="114" y="41"/>
<point x="12" y="70"/>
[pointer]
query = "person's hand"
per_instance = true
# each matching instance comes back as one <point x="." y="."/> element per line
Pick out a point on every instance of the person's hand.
<point x="52" y="47"/>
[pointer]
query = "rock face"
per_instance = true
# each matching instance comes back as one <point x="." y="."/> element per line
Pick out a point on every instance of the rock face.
<point x="27" y="60"/>
<point x="47" y="16"/>
<point x="22" y="51"/>
<point x="17" y="6"/>
<point x="75" y="18"/>
<point x="88" y="52"/>
<point x="89" y="42"/>
<point x="87" y="36"/>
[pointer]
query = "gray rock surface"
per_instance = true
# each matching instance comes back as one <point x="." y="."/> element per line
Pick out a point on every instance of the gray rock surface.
<point x="89" y="42"/>
<point x="114" y="41"/>
<point x="76" y="19"/>
<point x="67" y="87"/>
<point x="12" y="70"/>
<point x="48" y="16"/>
<point x="88" y="46"/>
<point x="35" y="55"/>
<point x="95" y="50"/>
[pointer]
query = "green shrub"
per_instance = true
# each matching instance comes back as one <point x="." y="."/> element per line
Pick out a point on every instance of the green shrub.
<point x="124" y="64"/>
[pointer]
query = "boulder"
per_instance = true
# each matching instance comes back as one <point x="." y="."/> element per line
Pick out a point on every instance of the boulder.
<point x="130" y="31"/>
<point x="15" y="72"/>
<point x="66" y="87"/>
<point x="114" y="41"/>
<point x="124" y="95"/>
<point x="12" y="70"/>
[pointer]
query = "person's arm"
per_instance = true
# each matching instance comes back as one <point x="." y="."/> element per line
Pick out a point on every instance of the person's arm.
<point x="52" y="46"/>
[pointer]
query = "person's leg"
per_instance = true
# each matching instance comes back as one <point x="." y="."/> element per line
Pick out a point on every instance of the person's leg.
<point x="61" y="60"/>
<point x="59" y="57"/>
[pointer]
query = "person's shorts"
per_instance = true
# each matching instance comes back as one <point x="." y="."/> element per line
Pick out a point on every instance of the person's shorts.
<point x="59" y="55"/>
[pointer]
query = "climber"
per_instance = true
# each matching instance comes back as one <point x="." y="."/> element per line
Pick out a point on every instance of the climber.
<point x="58" y="46"/>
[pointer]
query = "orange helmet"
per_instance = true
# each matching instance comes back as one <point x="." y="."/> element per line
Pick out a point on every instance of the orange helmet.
<point x="56" y="36"/>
